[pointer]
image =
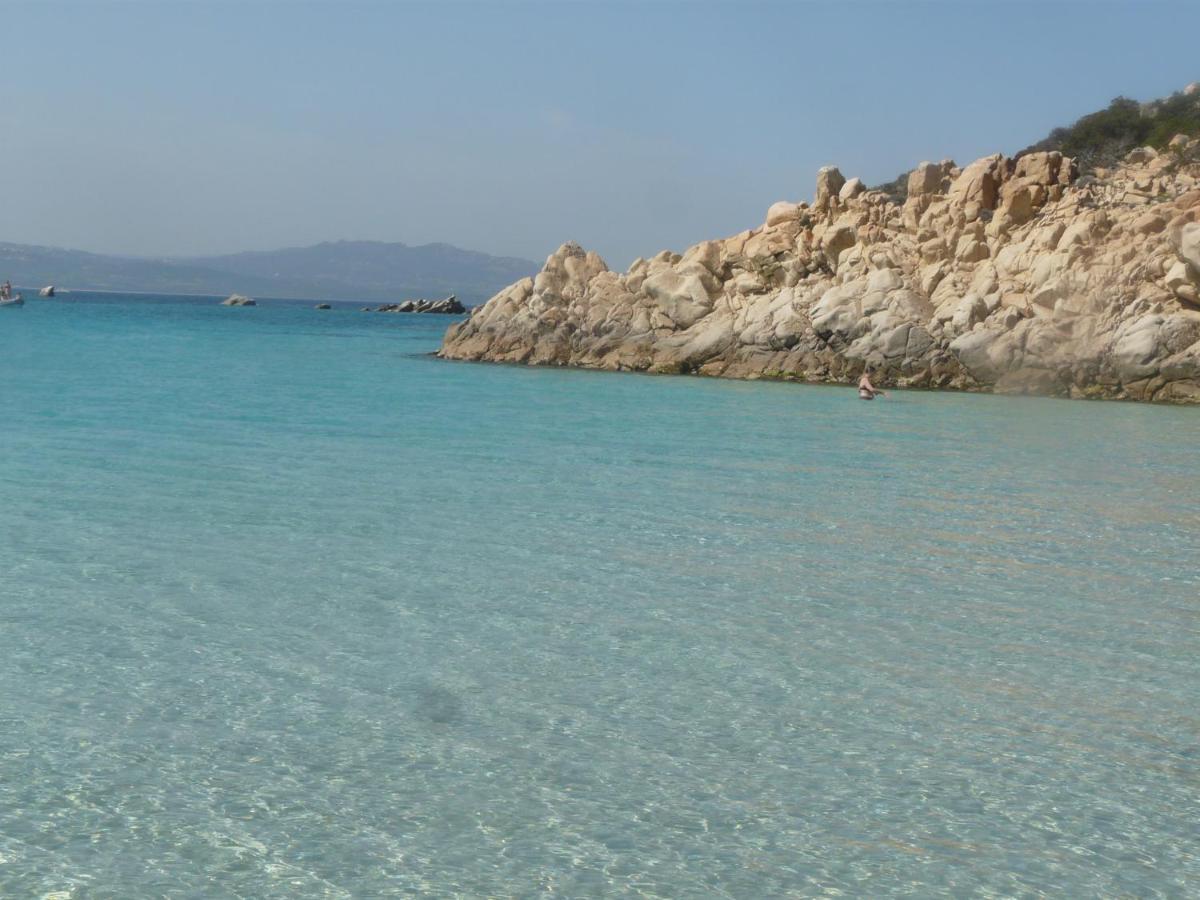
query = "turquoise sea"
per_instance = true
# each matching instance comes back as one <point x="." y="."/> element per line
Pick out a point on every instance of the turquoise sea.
<point x="289" y="608"/>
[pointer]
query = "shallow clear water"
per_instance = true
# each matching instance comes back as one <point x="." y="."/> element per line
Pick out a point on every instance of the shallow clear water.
<point x="290" y="609"/>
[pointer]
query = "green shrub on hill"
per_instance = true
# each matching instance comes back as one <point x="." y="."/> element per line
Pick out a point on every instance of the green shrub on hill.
<point x="1101" y="139"/>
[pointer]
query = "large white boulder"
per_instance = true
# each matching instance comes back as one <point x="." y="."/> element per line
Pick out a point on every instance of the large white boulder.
<point x="1188" y="246"/>
<point x="683" y="298"/>
<point x="781" y="212"/>
<point x="851" y="189"/>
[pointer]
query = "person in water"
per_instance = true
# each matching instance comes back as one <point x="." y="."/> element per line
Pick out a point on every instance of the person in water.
<point x="866" y="390"/>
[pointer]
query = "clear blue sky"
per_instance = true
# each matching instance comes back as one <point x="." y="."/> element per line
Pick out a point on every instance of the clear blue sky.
<point x="509" y="127"/>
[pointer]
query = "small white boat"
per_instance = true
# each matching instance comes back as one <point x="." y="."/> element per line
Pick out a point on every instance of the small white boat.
<point x="14" y="300"/>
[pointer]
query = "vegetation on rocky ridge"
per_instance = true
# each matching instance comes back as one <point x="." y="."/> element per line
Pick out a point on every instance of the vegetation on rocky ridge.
<point x="1101" y="139"/>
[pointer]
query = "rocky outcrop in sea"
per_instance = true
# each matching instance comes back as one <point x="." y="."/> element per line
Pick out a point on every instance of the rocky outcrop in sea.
<point x="238" y="300"/>
<point x="1007" y="275"/>
<point x="449" y="306"/>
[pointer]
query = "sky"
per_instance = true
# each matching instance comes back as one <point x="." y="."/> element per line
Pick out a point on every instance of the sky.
<point x="181" y="127"/>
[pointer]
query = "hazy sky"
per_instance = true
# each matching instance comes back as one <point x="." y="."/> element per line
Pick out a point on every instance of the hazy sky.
<point x="191" y="127"/>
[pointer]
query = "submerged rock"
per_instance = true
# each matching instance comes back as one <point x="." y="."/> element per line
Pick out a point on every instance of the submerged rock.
<point x="1008" y="274"/>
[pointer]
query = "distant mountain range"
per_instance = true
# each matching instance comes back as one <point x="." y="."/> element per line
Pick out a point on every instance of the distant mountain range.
<point x="340" y="270"/>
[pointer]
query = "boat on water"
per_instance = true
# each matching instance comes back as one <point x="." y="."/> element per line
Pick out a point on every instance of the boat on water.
<point x="14" y="300"/>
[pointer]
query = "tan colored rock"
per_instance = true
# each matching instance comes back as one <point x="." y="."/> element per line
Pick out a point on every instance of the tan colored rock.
<point x="971" y="249"/>
<point x="851" y="189"/>
<point x="1182" y="283"/>
<point x="1187" y="244"/>
<point x="1020" y="202"/>
<point x="931" y="276"/>
<point x="1039" y="168"/>
<point x="829" y="182"/>
<point x="979" y="183"/>
<point x="781" y="212"/>
<point x="1136" y="347"/>
<point x="706" y="254"/>
<point x="836" y="239"/>
<point x="1010" y="276"/>
<point x="1148" y="223"/>
<point x="970" y="310"/>
<point x="926" y="178"/>
<point x="1076" y="234"/>
<point x="838" y="313"/>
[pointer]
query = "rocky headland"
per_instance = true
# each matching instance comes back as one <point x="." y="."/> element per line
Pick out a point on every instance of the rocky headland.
<point x="1007" y="275"/>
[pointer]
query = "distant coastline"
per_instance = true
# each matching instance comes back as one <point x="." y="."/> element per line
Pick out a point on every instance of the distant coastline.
<point x="367" y="271"/>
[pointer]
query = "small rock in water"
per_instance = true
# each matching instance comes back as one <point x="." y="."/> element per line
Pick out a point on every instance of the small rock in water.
<point x="448" y="306"/>
<point x="238" y="300"/>
<point x="322" y="306"/>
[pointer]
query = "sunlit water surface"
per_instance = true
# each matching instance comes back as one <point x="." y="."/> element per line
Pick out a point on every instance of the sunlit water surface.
<point x="289" y="608"/>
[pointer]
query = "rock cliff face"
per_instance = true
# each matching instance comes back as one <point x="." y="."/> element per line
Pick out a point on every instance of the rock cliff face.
<point x="1011" y="275"/>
